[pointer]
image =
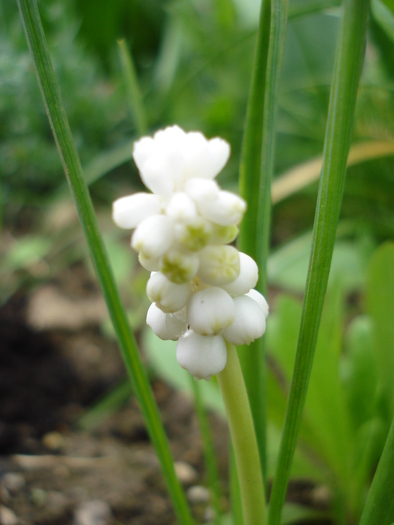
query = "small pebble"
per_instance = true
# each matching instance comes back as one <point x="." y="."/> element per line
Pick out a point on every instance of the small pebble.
<point x="4" y="494"/>
<point x="209" y="514"/>
<point x="95" y="512"/>
<point x="38" y="497"/>
<point x="13" y="482"/>
<point x="198" y="494"/>
<point x="53" y="441"/>
<point x="185" y="472"/>
<point x="7" y="516"/>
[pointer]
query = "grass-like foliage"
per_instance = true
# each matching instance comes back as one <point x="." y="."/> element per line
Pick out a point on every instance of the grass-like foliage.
<point x="315" y="398"/>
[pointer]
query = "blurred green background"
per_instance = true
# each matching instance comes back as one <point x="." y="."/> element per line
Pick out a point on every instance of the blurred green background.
<point x="193" y="61"/>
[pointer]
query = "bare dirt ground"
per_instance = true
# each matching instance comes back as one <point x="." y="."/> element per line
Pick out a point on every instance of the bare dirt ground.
<point x="55" y="364"/>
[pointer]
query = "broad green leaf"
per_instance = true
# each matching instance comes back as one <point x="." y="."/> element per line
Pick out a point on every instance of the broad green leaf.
<point x="380" y="306"/>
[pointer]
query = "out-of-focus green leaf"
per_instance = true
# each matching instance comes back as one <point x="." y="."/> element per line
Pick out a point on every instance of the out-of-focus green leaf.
<point x="26" y="251"/>
<point x="162" y="358"/>
<point x="359" y="371"/>
<point x="288" y="266"/>
<point x="325" y="409"/>
<point x="293" y="514"/>
<point x="383" y="12"/>
<point x="380" y="305"/>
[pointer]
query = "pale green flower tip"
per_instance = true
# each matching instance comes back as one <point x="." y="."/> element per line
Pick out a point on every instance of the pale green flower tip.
<point x="248" y="324"/>
<point x="153" y="236"/>
<point x="194" y="234"/>
<point x="179" y="267"/>
<point x="219" y="265"/>
<point x="210" y="311"/>
<point x="247" y="278"/>
<point x="152" y="264"/>
<point x="202" y="356"/>
<point x="168" y="296"/>
<point x="223" y="234"/>
<point x="128" y="212"/>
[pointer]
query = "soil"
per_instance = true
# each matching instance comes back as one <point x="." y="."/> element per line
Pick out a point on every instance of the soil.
<point x="53" y="368"/>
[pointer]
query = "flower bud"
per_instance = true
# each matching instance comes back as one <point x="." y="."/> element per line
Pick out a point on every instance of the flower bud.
<point x="152" y="264"/>
<point x="128" y="212"/>
<point x="194" y="233"/>
<point x="202" y="356"/>
<point x="153" y="236"/>
<point x="168" y="296"/>
<point x="209" y="311"/>
<point x="260" y="300"/>
<point x="247" y="278"/>
<point x="181" y="207"/>
<point x="177" y="322"/>
<point x="223" y="234"/>
<point x="201" y="189"/>
<point x="179" y="267"/>
<point x="248" y="324"/>
<point x="226" y="209"/>
<point x="219" y="265"/>
<point x="156" y="319"/>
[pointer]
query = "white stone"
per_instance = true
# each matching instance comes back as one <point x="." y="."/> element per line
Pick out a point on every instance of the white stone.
<point x="95" y="512"/>
<point x="128" y="212"/>
<point x="209" y="311"/>
<point x="202" y="356"/>
<point x="248" y="324"/>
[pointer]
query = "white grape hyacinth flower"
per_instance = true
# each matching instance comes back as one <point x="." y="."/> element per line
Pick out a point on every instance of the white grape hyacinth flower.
<point x="200" y="287"/>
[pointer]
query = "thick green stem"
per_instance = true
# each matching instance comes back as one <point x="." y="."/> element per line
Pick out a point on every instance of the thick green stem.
<point x="243" y="438"/>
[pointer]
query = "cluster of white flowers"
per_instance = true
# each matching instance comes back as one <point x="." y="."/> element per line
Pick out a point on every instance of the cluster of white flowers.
<point x="201" y="288"/>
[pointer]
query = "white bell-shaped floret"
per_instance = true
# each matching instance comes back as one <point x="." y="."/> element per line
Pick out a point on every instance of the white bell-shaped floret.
<point x="247" y="278"/>
<point x="201" y="189"/>
<point x="168" y="296"/>
<point x="128" y="212"/>
<point x="202" y="157"/>
<point x="153" y="236"/>
<point x="202" y="356"/>
<point x="226" y="209"/>
<point x="209" y="311"/>
<point x="219" y="265"/>
<point x="152" y="264"/>
<point x="156" y="319"/>
<point x="223" y="234"/>
<point x="248" y="324"/>
<point x="177" y="322"/>
<point x="160" y="161"/>
<point x="181" y="207"/>
<point x="260" y="300"/>
<point x="178" y="266"/>
<point x="194" y="233"/>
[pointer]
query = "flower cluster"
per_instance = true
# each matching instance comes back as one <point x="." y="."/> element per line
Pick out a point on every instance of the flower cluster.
<point x="200" y="286"/>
